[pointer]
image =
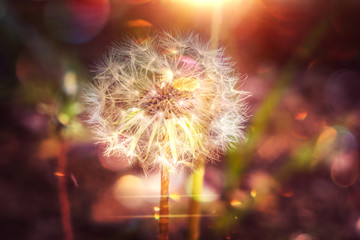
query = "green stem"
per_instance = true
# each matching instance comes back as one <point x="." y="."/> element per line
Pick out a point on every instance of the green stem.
<point x="195" y="204"/>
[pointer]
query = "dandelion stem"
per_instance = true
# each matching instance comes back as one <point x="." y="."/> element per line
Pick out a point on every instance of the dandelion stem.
<point x="164" y="205"/>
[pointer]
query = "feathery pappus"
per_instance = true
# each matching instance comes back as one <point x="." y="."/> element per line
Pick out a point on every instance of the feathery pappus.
<point x="166" y="101"/>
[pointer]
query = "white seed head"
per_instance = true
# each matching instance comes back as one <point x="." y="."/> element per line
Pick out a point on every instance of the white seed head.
<point x="166" y="101"/>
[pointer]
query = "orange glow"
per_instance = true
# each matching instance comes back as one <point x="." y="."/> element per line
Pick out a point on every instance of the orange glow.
<point x="235" y="203"/>
<point x="301" y="116"/>
<point x="138" y="23"/>
<point x="288" y="194"/>
<point x="156" y="209"/>
<point x="59" y="174"/>
<point x="139" y="2"/>
<point x="207" y="2"/>
<point x="157" y="216"/>
<point x="253" y="193"/>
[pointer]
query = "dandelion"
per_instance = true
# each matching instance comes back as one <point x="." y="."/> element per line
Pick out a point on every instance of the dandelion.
<point x="166" y="102"/>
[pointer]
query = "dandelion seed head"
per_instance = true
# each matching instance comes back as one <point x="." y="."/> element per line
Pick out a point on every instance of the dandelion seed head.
<point x="166" y="101"/>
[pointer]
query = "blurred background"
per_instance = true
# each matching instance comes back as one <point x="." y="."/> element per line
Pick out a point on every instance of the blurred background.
<point x="295" y="177"/>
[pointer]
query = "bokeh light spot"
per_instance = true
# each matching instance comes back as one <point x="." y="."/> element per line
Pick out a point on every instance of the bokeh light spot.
<point x="301" y="116"/>
<point x="253" y="193"/>
<point x="288" y="194"/>
<point x="138" y="23"/>
<point x="235" y="203"/>
<point x="70" y="83"/>
<point x="76" y="21"/>
<point x="64" y="119"/>
<point x="59" y="174"/>
<point x="338" y="147"/>
<point x="357" y="227"/>
<point x="325" y="141"/>
<point x="129" y="191"/>
<point x="341" y="90"/>
<point x="302" y="236"/>
<point x="345" y="169"/>
<point x="240" y="199"/>
<point x="261" y="184"/>
<point x="273" y="147"/>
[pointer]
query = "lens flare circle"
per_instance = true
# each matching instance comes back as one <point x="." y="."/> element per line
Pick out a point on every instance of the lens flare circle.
<point x="76" y="21"/>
